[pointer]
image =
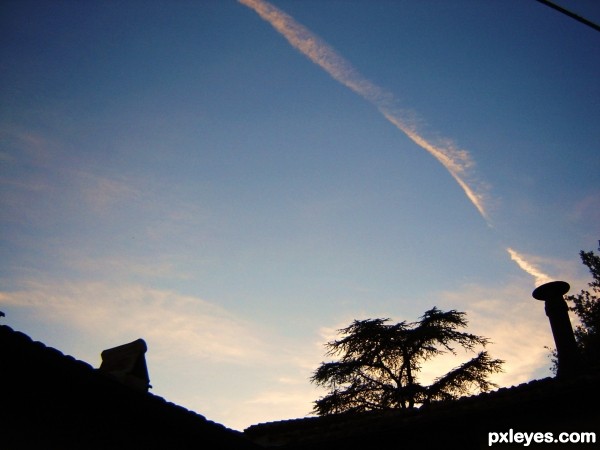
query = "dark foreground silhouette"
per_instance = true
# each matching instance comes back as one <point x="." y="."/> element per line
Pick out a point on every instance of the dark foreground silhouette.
<point x="52" y="401"/>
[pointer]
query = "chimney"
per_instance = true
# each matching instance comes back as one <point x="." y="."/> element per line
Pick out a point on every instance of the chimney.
<point x="558" y="314"/>
<point x="127" y="364"/>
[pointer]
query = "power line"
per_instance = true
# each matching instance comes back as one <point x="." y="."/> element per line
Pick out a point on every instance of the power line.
<point x="570" y="14"/>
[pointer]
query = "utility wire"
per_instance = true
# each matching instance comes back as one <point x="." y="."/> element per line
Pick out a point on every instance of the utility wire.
<point x="570" y="14"/>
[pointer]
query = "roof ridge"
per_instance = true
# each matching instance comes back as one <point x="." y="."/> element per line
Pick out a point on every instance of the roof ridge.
<point x="500" y="394"/>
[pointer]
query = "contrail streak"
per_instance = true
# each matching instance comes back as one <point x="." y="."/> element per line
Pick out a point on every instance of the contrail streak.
<point x="540" y="277"/>
<point x="457" y="162"/>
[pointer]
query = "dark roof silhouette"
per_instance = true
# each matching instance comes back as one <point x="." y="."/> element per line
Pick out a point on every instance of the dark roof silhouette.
<point x="50" y="400"/>
<point x="547" y="405"/>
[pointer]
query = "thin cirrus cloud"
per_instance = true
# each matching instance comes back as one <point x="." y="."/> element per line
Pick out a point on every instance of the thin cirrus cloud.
<point x="457" y="162"/>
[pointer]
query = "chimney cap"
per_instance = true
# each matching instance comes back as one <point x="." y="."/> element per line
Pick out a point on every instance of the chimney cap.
<point x="551" y="290"/>
<point x="127" y="363"/>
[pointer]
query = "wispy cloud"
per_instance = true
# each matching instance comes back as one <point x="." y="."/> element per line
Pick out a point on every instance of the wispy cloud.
<point x="102" y="192"/>
<point x="587" y="210"/>
<point x="457" y="162"/>
<point x="529" y="267"/>
<point x="172" y="323"/>
<point x="25" y="145"/>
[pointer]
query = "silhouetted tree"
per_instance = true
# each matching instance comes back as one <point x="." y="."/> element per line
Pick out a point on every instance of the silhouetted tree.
<point x="586" y="306"/>
<point x="379" y="363"/>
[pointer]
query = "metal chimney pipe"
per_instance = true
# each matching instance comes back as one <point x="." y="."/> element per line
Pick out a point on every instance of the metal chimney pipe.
<point x="558" y="314"/>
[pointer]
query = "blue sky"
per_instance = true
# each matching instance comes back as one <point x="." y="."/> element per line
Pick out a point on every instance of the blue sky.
<point x="186" y="173"/>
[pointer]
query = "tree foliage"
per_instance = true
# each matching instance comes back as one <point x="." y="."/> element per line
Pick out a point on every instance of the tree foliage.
<point x="586" y="306"/>
<point x="379" y="363"/>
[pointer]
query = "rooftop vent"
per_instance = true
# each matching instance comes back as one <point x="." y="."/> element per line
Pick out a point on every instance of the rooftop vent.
<point x="558" y="315"/>
<point x="127" y="364"/>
